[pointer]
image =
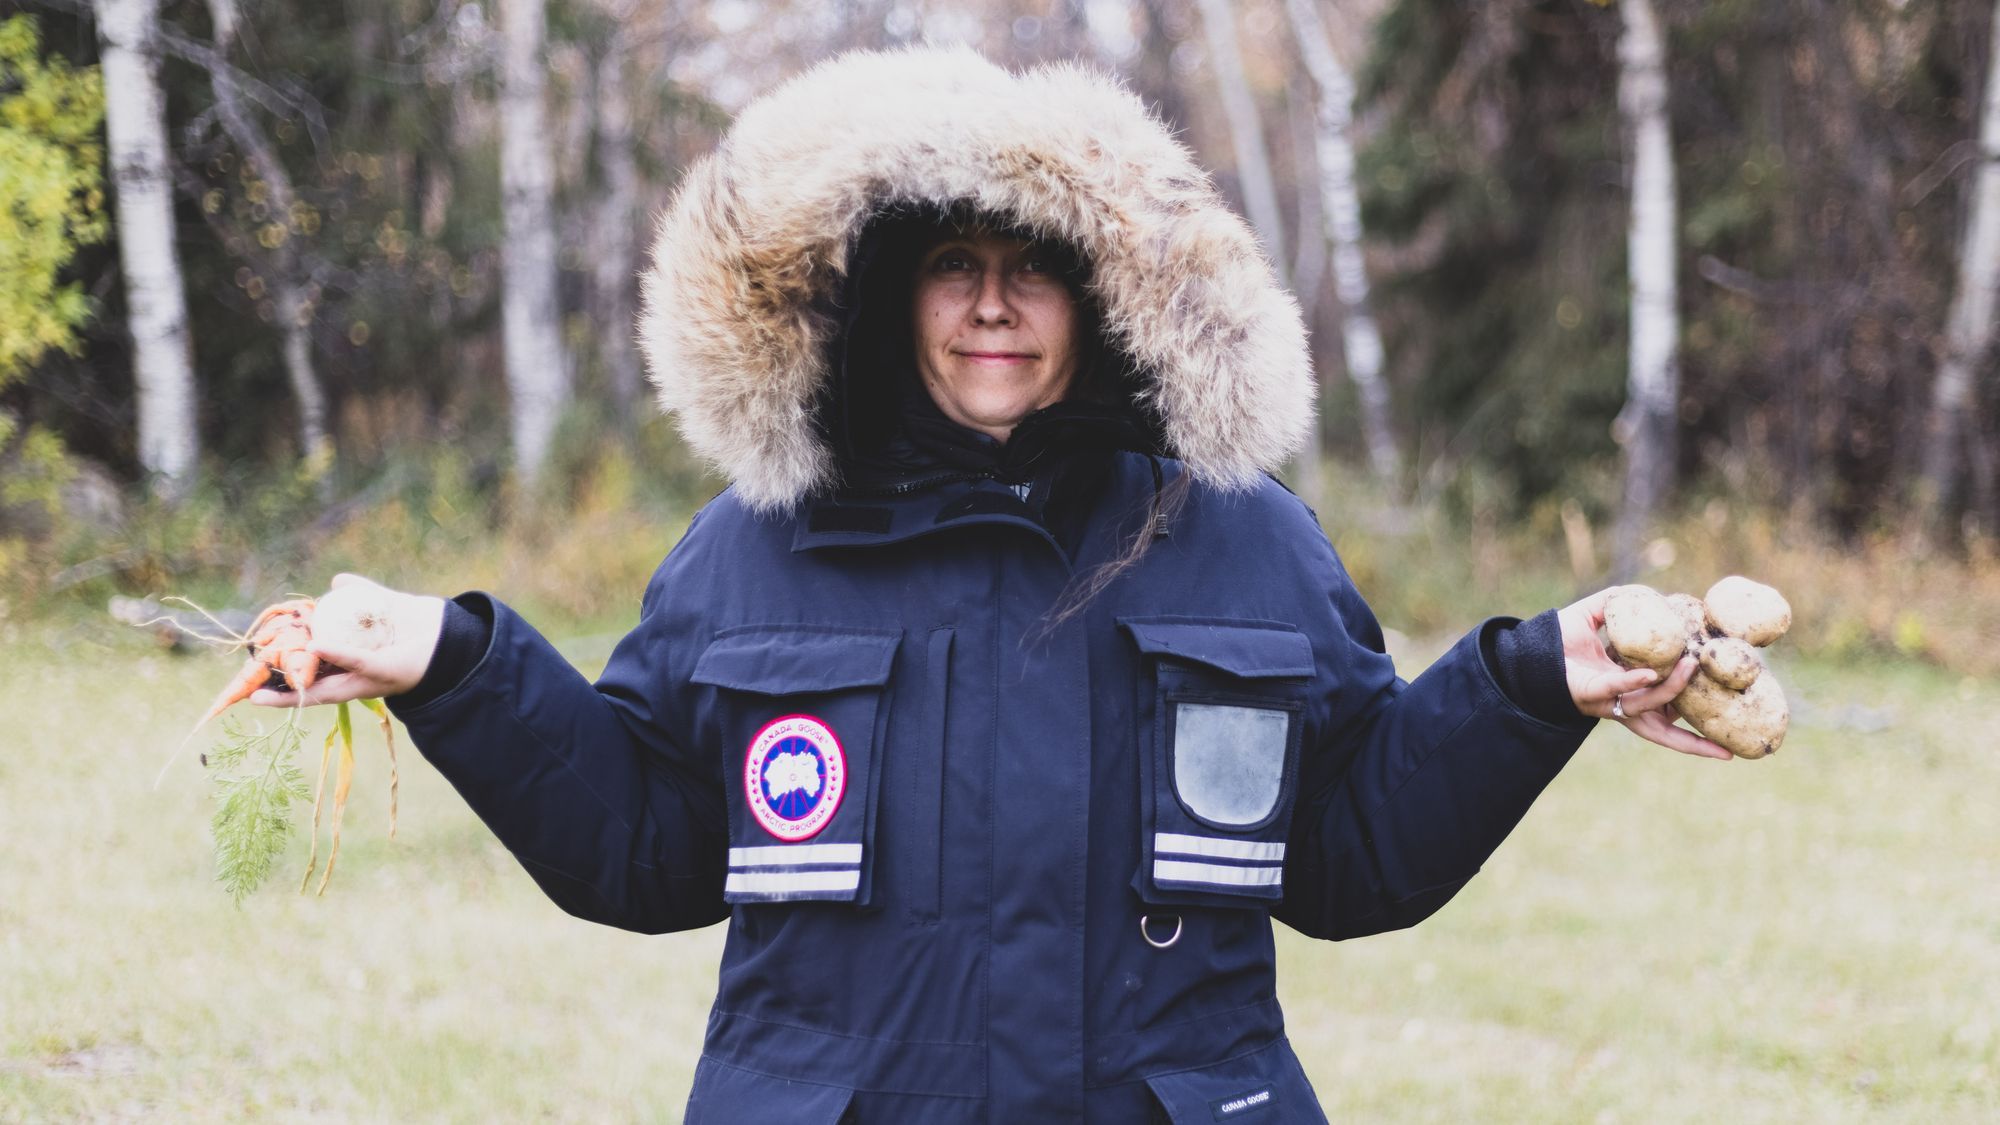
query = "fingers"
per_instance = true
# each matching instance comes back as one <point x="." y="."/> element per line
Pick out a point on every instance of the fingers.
<point x="1607" y="683"/>
<point x="1638" y="702"/>
<point x="351" y="659"/>
<point x="1629" y="681"/>
<point x="1658" y="727"/>
<point x="337" y="688"/>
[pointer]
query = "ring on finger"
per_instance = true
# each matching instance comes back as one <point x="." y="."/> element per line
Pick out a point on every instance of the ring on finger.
<point x="1618" y="707"/>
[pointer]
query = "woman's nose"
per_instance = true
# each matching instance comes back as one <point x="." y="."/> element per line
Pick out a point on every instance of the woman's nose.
<point x="991" y="306"/>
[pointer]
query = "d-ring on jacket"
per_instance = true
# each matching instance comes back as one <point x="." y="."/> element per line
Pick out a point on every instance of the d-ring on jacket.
<point x="979" y="865"/>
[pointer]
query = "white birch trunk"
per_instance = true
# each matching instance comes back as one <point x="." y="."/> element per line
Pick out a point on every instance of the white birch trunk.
<point x="537" y="370"/>
<point x="614" y="231"/>
<point x="1969" y="330"/>
<point x="1309" y="248"/>
<point x="1647" y="424"/>
<point x="1260" y="195"/>
<point x="136" y="132"/>
<point x="1340" y="204"/>
<point x="1246" y="129"/>
<point x="1308" y="277"/>
<point x="282" y="263"/>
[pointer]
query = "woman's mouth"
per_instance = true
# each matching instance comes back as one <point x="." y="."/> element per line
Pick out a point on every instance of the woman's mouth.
<point x="997" y="356"/>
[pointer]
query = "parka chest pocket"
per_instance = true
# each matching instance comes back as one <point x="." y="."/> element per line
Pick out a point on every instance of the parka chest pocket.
<point x="799" y="711"/>
<point x="1221" y="711"/>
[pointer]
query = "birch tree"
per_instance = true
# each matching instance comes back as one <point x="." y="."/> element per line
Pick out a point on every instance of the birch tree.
<point x="281" y="259"/>
<point x="1308" y="251"/>
<point x="1246" y="129"/>
<point x="614" y="228"/>
<point x="136" y="132"/>
<point x="1645" y="426"/>
<point x="537" y="369"/>
<point x="1969" y="328"/>
<point x="1260" y="194"/>
<point x="1340" y="208"/>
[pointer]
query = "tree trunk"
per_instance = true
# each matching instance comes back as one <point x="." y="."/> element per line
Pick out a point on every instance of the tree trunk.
<point x="614" y="229"/>
<point x="136" y="131"/>
<point x="1153" y="71"/>
<point x="1066" y="31"/>
<point x="1340" y="205"/>
<point x="294" y="308"/>
<point x="1969" y="331"/>
<point x="1309" y="250"/>
<point x="1260" y="195"/>
<point x="537" y="369"/>
<point x="1646" y="427"/>
<point x="1308" y="278"/>
<point x="1246" y="129"/>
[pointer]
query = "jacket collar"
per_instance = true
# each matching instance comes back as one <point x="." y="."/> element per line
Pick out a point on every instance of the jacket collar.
<point x="1069" y="498"/>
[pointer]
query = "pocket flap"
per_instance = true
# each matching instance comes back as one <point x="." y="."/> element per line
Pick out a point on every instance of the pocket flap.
<point x="792" y="660"/>
<point x="726" y="1095"/>
<point x="1251" y="651"/>
<point x="1266" y="1086"/>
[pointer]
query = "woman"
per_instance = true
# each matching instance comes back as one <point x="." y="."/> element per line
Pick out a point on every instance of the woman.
<point x="1002" y="699"/>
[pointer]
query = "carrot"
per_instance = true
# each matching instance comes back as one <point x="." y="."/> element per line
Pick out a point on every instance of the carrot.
<point x="250" y="821"/>
<point x="255" y="674"/>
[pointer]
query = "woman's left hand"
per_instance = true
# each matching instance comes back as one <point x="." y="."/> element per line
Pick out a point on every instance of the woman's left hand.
<point x="1597" y="683"/>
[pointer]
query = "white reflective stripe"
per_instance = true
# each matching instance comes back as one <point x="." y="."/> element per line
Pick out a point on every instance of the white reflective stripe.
<point x="784" y="856"/>
<point x="782" y="882"/>
<point x="1182" y="871"/>
<point x="1179" y="844"/>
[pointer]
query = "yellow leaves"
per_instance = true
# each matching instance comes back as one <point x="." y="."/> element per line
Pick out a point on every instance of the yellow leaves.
<point x="51" y="194"/>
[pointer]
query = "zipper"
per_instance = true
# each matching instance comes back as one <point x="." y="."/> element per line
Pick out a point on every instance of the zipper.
<point x="907" y="487"/>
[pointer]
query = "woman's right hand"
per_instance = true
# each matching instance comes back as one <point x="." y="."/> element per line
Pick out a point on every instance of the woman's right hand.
<point x="414" y="622"/>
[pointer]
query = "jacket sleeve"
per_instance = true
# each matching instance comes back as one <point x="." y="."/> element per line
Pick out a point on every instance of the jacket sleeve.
<point x="1411" y="786"/>
<point x="590" y="786"/>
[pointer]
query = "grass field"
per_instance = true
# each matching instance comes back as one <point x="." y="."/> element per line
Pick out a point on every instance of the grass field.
<point x="1815" y="937"/>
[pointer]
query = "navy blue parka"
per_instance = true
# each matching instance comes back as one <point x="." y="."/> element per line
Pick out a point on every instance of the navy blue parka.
<point x="990" y="851"/>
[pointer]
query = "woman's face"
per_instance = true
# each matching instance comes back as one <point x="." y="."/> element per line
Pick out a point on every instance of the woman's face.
<point x="996" y="329"/>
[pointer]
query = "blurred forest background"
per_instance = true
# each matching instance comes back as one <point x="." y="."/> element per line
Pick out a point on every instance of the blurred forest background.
<point x="1591" y="283"/>
<point x="1631" y="289"/>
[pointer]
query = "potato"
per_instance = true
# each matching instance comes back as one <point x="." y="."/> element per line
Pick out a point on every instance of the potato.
<point x="1749" y="723"/>
<point x="1644" y="628"/>
<point x="1731" y="662"/>
<point x="1732" y="698"/>
<point x="1738" y="607"/>
<point x="1694" y="618"/>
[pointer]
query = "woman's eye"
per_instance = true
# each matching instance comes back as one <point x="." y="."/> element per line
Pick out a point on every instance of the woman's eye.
<point x="951" y="263"/>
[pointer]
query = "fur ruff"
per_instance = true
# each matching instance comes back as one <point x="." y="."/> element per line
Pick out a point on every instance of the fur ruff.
<point x="757" y="236"/>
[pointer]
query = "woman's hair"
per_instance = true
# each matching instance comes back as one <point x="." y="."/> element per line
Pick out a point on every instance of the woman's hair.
<point x="1164" y="508"/>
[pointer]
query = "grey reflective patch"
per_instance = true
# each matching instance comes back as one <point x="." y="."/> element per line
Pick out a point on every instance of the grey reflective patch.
<point x="1229" y="762"/>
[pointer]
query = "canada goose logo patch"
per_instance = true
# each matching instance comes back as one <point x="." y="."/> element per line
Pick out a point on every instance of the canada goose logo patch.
<point x="794" y="777"/>
<point x="1229" y="1109"/>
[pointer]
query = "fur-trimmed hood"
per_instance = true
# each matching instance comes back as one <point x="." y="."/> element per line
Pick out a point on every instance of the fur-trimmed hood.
<point x="735" y="323"/>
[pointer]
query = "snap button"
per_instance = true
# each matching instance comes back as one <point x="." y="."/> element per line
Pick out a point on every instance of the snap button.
<point x="1146" y="931"/>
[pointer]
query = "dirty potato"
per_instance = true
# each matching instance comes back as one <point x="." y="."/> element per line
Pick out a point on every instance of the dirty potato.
<point x="1731" y="662"/>
<point x="1644" y="628"/>
<point x="1739" y="607"/>
<point x="1749" y="723"/>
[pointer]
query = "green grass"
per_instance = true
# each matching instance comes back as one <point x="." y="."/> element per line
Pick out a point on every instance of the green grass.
<point x="1815" y="937"/>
